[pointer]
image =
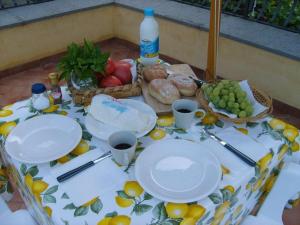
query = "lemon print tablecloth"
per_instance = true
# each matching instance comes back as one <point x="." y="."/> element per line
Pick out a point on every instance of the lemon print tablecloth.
<point x="128" y="203"/>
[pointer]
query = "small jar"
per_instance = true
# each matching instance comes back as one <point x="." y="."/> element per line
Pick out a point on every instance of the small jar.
<point x="40" y="99"/>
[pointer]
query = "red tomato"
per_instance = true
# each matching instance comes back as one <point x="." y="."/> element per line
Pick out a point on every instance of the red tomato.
<point x="110" y="81"/>
<point x="122" y="63"/>
<point x="123" y="73"/>
<point x="110" y="66"/>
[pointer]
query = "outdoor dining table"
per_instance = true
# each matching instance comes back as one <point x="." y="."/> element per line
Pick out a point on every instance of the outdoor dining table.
<point x="125" y="201"/>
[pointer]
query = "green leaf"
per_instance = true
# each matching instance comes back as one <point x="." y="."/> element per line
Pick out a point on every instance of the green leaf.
<point x="251" y="124"/>
<point x="147" y="196"/>
<point x="179" y="131"/>
<point x="2" y="189"/>
<point x="53" y="163"/>
<point x="86" y="136"/>
<point x="92" y="147"/>
<point x="159" y="212"/>
<point x="236" y="192"/>
<point x="111" y="214"/>
<point x="65" y="196"/>
<point x="51" y="190"/>
<point x="37" y="178"/>
<point x="70" y="206"/>
<point x="49" y="199"/>
<point x="23" y="169"/>
<point x="252" y="181"/>
<point x="9" y="188"/>
<point x="3" y="178"/>
<point x="265" y="126"/>
<point x="97" y="206"/>
<point x="33" y="171"/>
<point x="171" y="222"/>
<point x="215" y="198"/>
<point x="140" y="209"/>
<point x="81" y="211"/>
<point x="220" y="124"/>
<point x="275" y="135"/>
<point x="65" y="222"/>
<point x="226" y="194"/>
<point x="122" y="194"/>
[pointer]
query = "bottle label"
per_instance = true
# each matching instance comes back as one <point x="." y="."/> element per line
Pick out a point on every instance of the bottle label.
<point x="149" y="49"/>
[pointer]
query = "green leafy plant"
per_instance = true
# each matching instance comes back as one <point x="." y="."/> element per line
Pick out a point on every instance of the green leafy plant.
<point x="84" y="61"/>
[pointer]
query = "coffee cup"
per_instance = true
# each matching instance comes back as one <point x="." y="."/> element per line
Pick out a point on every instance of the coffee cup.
<point x="184" y="111"/>
<point x="122" y="145"/>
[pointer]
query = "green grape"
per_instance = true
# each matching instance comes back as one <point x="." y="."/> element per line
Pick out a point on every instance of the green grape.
<point x="224" y="91"/>
<point x="225" y="98"/>
<point x="244" y="94"/>
<point x="243" y="105"/>
<point x="240" y="100"/>
<point x="230" y="104"/>
<point x="222" y="104"/>
<point x="236" y="111"/>
<point x="249" y="110"/>
<point x="236" y="105"/>
<point x="242" y="114"/>
<point x="231" y="98"/>
<point x="216" y="92"/>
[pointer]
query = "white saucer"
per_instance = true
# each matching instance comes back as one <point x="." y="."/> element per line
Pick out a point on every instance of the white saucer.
<point x="178" y="171"/>
<point x="43" y="138"/>
<point x="103" y="131"/>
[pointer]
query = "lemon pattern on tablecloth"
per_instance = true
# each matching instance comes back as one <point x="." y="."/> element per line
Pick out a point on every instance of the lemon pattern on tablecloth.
<point x="130" y="204"/>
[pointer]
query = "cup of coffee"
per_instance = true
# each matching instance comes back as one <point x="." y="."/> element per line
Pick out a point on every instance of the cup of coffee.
<point x="122" y="145"/>
<point x="184" y="111"/>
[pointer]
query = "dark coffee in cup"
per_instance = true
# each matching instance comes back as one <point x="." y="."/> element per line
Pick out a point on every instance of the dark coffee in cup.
<point x="122" y="146"/>
<point x="184" y="110"/>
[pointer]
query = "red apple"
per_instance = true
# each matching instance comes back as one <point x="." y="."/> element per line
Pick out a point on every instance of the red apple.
<point x="110" y="66"/>
<point x="110" y="81"/>
<point x="122" y="71"/>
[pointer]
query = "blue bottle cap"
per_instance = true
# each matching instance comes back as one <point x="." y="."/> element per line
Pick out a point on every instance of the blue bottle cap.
<point x="148" y="12"/>
<point x="38" y="88"/>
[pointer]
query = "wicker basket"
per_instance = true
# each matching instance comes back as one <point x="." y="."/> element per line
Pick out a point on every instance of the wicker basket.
<point x="260" y="96"/>
<point x="84" y="97"/>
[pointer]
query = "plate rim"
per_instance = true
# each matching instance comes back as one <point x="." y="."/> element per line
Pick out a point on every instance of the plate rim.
<point x="139" y="135"/>
<point x="167" y="199"/>
<point x="50" y="159"/>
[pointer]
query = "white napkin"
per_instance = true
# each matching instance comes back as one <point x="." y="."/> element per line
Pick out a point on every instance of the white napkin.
<point x="96" y="180"/>
<point x="116" y="113"/>
<point x="243" y="143"/>
<point x="257" y="107"/>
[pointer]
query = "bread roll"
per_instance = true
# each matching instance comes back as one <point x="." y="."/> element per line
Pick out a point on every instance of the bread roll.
<point x="164" y="91"/>
<point x="184" y="84"/>
<point x="154" y="72"/>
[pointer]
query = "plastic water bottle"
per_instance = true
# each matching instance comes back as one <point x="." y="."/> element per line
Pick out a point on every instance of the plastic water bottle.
<point x="149" y="38"/>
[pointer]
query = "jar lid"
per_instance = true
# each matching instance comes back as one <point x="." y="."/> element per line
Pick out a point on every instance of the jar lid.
<point x="38" y="88"/>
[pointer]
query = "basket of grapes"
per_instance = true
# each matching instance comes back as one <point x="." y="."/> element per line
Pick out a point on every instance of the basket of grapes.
<point x="234" y="101"/>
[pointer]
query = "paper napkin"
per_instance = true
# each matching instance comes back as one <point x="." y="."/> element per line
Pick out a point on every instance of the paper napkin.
<point x="243" y="143"/>
<point x="93" y="182"/>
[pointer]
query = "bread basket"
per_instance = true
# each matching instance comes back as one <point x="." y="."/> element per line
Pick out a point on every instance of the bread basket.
<point x="260" y="96"/>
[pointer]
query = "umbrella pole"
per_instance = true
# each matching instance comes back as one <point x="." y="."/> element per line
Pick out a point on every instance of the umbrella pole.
<point x="214" y="30"/>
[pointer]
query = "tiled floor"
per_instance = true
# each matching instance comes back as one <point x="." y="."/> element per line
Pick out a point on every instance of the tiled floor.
<point x="15" y="85"/>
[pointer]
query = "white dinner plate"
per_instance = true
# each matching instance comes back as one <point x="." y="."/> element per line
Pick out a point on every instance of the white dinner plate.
<point x="43" y="138"/>
<point x="103" y="131"/>
<point x="178" y="171"/>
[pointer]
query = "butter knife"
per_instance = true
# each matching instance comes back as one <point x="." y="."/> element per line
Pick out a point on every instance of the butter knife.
<point x="239" y="154"/>
<point x="79" y="169"/>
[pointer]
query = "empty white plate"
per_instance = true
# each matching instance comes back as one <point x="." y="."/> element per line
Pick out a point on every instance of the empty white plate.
<point x="178" y="171"/>
<point x="103" y="131"/>
<point x="43" y="138"/>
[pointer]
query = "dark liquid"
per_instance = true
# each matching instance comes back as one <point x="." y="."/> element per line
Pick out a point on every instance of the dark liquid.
<point x="122" y="146"/>
<point x="184" y="110"/>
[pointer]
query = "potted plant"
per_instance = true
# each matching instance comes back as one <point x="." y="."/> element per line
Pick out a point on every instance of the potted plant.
<point x="81" y="63"/>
